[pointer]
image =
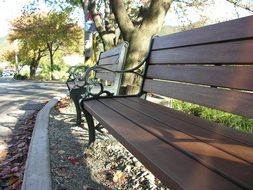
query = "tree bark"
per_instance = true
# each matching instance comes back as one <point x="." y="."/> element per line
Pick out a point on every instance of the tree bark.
<point x="33" y="69"/>
<point x="35" y="63"/>
<point x="51" y="56"/>
<point x="139" y="37"/>
<point x="106" y="31"/>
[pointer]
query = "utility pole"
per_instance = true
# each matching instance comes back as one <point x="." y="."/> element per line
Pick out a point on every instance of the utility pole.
<point x="15" y="46"/>
<point x="84" y="7"/>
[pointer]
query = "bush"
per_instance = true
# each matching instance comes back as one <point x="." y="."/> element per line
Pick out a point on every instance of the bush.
<point x="237" y="122"/>
<point x="21" y="77"/>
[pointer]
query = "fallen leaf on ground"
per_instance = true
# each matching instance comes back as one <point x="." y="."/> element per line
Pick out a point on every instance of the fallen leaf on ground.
<point x="87" y="187"/>
<point x="61" y="151"/>
<point x="64" y="102"/>
<point x="12" y="166"/>
<point x="21" y="144"/>
<point x="61" y="172"/>
<point x="73" y="160"/>
<point x="3" y="155"/>
<point x="12" y="180"/>
<point x="14" y="170"/>
<point x="119" y="177"/>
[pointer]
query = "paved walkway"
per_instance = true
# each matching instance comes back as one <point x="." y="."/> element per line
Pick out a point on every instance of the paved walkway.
<point x="19" y="99"/>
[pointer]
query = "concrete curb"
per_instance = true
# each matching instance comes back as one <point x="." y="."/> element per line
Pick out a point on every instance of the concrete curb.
<point x="37" y="169"/>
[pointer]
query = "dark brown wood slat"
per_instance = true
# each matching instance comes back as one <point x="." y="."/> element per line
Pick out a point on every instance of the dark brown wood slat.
<point x="230" y="166"/>
<point x="222" y="76"/>
<point x="232" y="101"/>
<point x="106" y="76"/>
<point x="230" y="141"/>
<point x="231" y="30"/>
<point x="172" y="167"/>
<point x="109" y="60"/>
<point x="239" y="52"/>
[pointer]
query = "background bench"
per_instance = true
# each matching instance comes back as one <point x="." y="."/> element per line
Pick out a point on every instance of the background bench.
<point x="111" y="59"/>
<point x="210" y="66"/>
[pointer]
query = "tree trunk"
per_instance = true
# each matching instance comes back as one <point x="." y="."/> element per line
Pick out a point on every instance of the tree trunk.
<point x="105" y="30"/>
<point x="137" y="50"/>
<point x="51" y="66"/>
<point x="33" y="69"/>
<point x="138" y="37"/>
<point x="51" y="56"/>
<point x="108" y="41"/>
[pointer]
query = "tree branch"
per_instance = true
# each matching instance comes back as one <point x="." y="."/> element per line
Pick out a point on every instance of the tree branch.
<point x="156" y="14"/>
<point x="238" y="3"/>
<point x="96" y="18"/>
<point x="125" y="24"/>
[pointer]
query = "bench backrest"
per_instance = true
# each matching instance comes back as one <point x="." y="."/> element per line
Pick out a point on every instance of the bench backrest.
<point x="112" y="59"/>
<point x="210" y="66"/>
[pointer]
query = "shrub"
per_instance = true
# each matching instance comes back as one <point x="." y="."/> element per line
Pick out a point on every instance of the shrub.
<point x="21" y="77"/>
<point x="237" y="122"/>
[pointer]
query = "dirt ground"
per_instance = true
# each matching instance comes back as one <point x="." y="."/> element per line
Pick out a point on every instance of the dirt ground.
<point x="104" y="165"/>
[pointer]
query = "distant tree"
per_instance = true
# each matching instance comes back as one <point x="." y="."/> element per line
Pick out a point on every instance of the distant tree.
<point x="48" y="31"/>
<point x="31" y="49"/>
<point x="57" y="30"/>
<point x="26" y="56"/>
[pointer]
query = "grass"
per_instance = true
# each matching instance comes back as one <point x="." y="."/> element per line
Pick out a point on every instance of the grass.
<point x="240" y="123"/>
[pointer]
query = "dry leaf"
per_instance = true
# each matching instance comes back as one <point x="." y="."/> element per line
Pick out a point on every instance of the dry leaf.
<point x="21" y="145"/>
<point x="61" y="152"/>
<point x="64" y="102"/>
<point x="119" y="177"/>
<point x="73" y="160"/>
<point x="12" y="180"/>
<point x="12" y="167"/>
<point x="3" y="155"/>
<point x="14" y="170"/>
<point x="87" y="187"/>
<point x="61" y="172"/>
<point x="17" y="184"/>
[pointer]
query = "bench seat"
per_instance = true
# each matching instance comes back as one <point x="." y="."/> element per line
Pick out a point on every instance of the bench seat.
<point x="180" y="149"/>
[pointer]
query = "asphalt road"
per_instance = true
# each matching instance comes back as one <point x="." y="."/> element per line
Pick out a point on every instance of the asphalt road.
<point x="19" y="99"/>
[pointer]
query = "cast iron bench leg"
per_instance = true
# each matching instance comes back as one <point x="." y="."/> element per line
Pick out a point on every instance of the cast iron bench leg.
<point x="91" y="126"/>
<point x="75" y="97"/>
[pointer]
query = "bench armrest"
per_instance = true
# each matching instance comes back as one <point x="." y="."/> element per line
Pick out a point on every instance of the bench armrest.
<point x="74" y="71"/>
<point x="76" y="74"/>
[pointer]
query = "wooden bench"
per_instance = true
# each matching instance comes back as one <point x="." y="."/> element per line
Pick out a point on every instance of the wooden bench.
<point x="111" y="59"/>
<point x="209" y="66"/>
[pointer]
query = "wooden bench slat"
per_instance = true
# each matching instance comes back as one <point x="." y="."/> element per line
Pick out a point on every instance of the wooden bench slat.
<point x="221" y="99"/>
<point x="114" y="51"/>
<point x="220" y="76"/>
<point x="108" y="76"/>
<point x="231" y="30"/>
<point x="214" y="158"/>
<point x="239" y="52"/>
<point x="210" y="127"/>
<point x="222" y="137"/>
<point x="173" y="168"/>
<point x="109" y="60"/>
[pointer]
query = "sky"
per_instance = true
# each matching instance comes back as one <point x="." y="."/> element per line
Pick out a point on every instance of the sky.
<point x="219" y="11"/>
<point x="9" y="9"/>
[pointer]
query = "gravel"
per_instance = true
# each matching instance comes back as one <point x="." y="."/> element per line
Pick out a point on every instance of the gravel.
<point x="106" y="164"/>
